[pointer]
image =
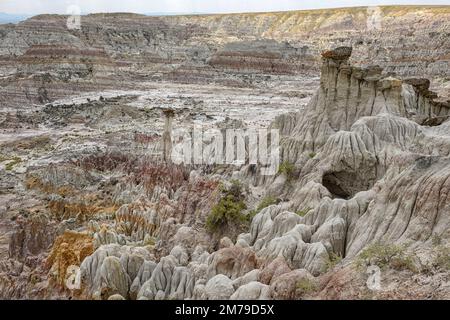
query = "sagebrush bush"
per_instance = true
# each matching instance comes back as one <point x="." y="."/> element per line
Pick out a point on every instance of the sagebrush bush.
<point x="228" y="211"/>
<point x="436" y="240"/>
<point x="267" y="201"/>
<point x="287" y="169"/>
<point x="386" y="255"/>
<point x="305" y="286"/>
<point x="312" y="154"/>
<point x="442" y="258"/>
<point x="14" y="161"/>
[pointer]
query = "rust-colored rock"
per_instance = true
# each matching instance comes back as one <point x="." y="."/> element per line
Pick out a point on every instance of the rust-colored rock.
<point x="69" y="249"/>
<point x="340" y="53"/>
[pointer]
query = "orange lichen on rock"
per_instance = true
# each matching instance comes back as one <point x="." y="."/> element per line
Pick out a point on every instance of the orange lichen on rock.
<point x="69" y="249"/>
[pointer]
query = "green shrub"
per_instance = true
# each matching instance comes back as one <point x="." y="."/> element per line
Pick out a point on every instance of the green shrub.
<point x="267" y="201"/>
<point x="229" y="209"/>
<point x="34" y="278"/>
<point x="312" y="154"/>
<point x="251" y="214"/>
<point x="386" y="255"/>
<point x="305" y="286"/>
<point x="404" y="262"/>
<point x="436" y="240"/>
<point x="287" y="169"/>
<point x="149" y="240"/>
<point x="332" y="261"/>
<point x="11" y="164"/>
<point x="442" y="258"/>
<point x="303" y="212"/>
<point x="235" y="189"/>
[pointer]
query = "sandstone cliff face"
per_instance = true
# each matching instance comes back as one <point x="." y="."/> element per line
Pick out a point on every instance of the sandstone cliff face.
<point x="347" y="94"/>
<point x="263" y="56"/>
<point x="393" y="40"/>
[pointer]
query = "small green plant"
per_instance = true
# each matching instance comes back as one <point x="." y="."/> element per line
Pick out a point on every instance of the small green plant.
<point x="229" y="209"/>
<point x="386" y="255"/>
<point x="442" y="258"/>
<point x="332" y="261"/>
<point x="287" y="169"/>
<point x="34" y="278"/>
<point x="303" y="212"/>
<point x="235" y="189"/>
<point x="13" y="162"/>
<point x="312" y="154"/>
<point x="267" y="201"/>
<point x="251" y="214"/>
<point x="305" y="286"/>
<point x="149" y="241"/>
<point x="436" y="240"/>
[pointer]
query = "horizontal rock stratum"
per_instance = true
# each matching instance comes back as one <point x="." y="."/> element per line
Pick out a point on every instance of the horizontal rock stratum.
<point x="412" y="41"/>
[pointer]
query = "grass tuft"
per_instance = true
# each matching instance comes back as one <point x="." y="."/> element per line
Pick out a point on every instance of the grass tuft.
<point x="288" y="169"/>
<point x="386" y="256"/>
<point x="305" y="286"/>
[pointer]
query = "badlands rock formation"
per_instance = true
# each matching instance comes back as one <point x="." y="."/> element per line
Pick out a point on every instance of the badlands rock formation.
<point x="360" y="205"/>
<point x="41" y="60"/>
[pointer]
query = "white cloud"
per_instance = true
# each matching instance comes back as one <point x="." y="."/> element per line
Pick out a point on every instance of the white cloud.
<point x="188" y="6"/>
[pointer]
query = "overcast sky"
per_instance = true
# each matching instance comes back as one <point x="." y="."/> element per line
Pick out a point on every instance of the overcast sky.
<point x="188" y="6"/>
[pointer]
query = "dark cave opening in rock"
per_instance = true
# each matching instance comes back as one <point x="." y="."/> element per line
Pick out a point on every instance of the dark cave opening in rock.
<point x="345" y="184"/>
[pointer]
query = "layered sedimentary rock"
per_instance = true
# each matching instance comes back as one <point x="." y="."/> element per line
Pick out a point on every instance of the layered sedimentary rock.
<point x="347" y="94"/>
<point x="263" y="56"/>
<point x="240" y="50"/>
<point x="363" y="180"/>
